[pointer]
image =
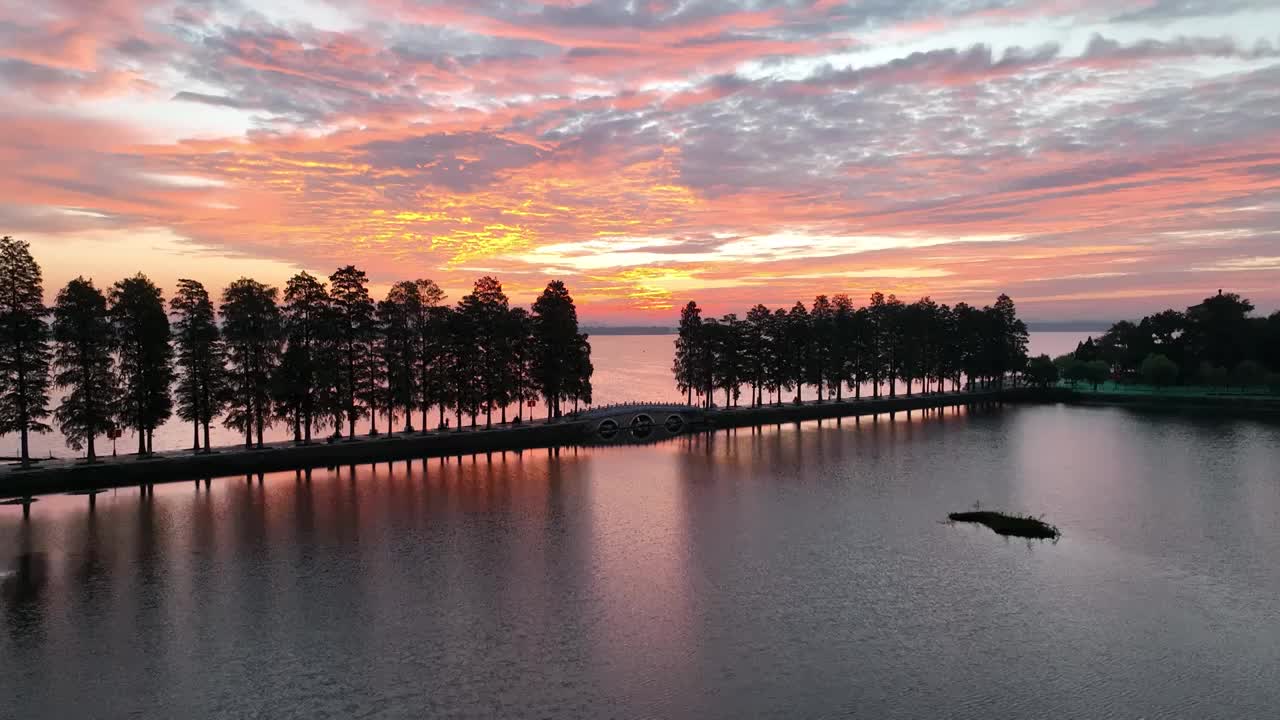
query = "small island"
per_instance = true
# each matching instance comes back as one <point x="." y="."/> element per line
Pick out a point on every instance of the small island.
<point x="1015" y="525"/>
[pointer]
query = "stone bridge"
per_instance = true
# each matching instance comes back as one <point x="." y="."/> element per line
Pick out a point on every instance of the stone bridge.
<point x="639" y="422"/>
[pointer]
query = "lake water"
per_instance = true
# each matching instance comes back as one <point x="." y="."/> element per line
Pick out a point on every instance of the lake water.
<point x="627" y="367"/>
<point x="786" y="572"/>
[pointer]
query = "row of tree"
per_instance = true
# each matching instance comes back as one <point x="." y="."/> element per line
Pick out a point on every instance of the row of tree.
<point x="1216" y="342"/>
<point x="832" y="344"/>
<point x="320" y="356"/>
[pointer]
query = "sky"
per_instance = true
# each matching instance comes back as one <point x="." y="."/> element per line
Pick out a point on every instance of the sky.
<point x="1095" y="159"/>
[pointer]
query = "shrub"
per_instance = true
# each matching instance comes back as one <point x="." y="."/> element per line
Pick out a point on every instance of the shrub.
<point x="1273" y="382"/>
<point x="1159" y="370"/>
<point x="1250" y="374"/>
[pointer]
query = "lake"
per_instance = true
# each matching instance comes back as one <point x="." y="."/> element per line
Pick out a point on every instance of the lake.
<point x="799" y="571"/>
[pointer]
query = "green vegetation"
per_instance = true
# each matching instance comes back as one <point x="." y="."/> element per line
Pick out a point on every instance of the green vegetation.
<point x="1041" y="371"/>
<point x="1211" y="348"/>
<point x="1010" y="525"/>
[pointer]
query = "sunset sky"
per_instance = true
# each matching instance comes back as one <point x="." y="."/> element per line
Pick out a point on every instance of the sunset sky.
<point x="1093" y="158"/>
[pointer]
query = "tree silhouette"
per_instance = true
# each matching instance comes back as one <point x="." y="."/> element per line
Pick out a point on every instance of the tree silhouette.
<point x="581" y="371"/>
<point x="252" y="326"/>
<point x="1041" y="371"/>
<point x="428" y="327"/>
<point x="306" y="375"/>
<point x="756" y="350"/>
<point x="842" y="345"/>
<point x="400" y="318"/>
<point x="1159" y="370"/>
<point x="434" y="366"/>
<point x="83" y="365"/>
<point x="798" y="350"/>
<point x="833" y="345"/>
<point x="353" y="315"/>
<point x="688" y="339"/>
<point x="485" y="310"/>
<point x="145" y="357"/>
<point x="200" y="358"/>
<point x="779" y="372"/>
<point x="557" y="363"/>
<point x="464" y="392"/>
<point x="1206" y="344"/>
<point x="725" y="339"/>
<point x="524" y="388"/>
<point x="24" y="346"/>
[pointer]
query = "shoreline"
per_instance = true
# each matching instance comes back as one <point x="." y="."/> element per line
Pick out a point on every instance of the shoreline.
<point x="77" y="476"/>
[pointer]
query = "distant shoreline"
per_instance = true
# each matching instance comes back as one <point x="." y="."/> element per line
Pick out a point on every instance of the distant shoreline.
<point x="1082" y="326"/>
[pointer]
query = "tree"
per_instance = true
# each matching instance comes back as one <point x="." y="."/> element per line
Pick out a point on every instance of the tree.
<point x="1218" y="330"/>
<point x="141" y="325"/>
<point x="1009" y="337"/>
<point x="798" y="351"/>
<point x="201" y="359"/>
<point x="581" y="370"/>
<point x="756" y="351"/>
<point x="485" y="310"/>
<point x="728" y="358"/>
<point x="253" y="329"/>
<point x="1069" y="368"/>
<point x="24" y="346"/>
<point x="1041" y="371"/>
<point x="557" y="344"/>
<point x="429" y="327"/>
<point x="398" y="321"/>
<point x="353" y="318"/>
<point x="1096" y="372"/>
<point x="1250" y="374"/>
<point x="83" y="365"/>
<point x="524" y="387"/>
<point x="840" y="363"/>
<point x="822" y="330"/>
<point x="304" y="387"/>
<point x="435" y="361"/>
<point x="464" y="390"/>
<point x="1157" y="369"/>
<point x="688" y="339"/>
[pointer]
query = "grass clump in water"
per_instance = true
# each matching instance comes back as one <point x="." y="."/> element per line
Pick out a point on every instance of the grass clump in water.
<point x="1015" y="525"/>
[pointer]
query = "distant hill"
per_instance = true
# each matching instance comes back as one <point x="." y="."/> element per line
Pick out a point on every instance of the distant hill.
<point x="627" y="330"/>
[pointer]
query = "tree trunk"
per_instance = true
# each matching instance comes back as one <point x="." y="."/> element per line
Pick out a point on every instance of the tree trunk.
<point x="91" y="454"/>
<point x="206" y="438"/>
<point x="195" y="436"/>
<point x="26" y="456"/>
